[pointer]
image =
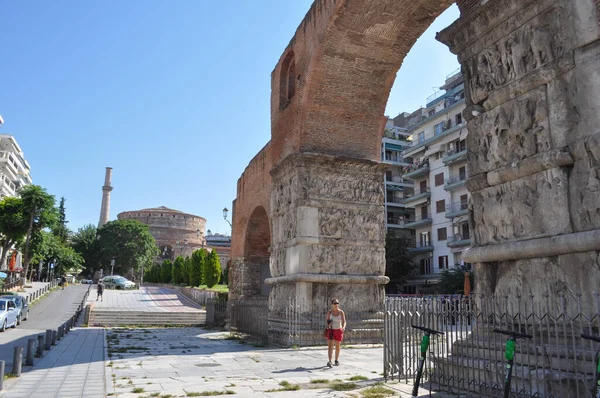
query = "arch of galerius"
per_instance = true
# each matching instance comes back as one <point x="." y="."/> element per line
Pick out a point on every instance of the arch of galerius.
<point x="532" y="84"/>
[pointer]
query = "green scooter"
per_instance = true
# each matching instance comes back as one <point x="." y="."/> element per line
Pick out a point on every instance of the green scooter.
<point x="424" y="347"/>
<point x="509" y="354"/>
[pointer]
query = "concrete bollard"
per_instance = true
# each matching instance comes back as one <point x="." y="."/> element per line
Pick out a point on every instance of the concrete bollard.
<point x="54" y="333"/>
<point x="40" y="346"/>
<point x="17" y="361"/>
<point x="30" y="348"/>
<point x="48" y="341"/>
<point x="60" y="332"/>
<point x="1" y="375"/>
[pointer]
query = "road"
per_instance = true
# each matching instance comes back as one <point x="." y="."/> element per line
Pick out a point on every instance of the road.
<point x="48" y="313"/>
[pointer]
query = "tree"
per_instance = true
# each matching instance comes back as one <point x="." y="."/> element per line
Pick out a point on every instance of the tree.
<point x="399" y="263"/>
<point x="178" y="270"/>
<point x="188" y="271"/>
<point x="165" y="272"/>
<point x="211" y="272"/>
<point x="60" y="229"/>
<point x="13" y="224"/>
<point x="47" y="247"/>
<point x="84" y="242"/>
<point x="198" y="259"/>
<point x="453" y="281"/>
<point x="39" y="208"/>
<point x="128" y="242"/>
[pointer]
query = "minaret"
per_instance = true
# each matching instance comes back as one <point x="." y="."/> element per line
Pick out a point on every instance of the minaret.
<point x="105" y="209"/>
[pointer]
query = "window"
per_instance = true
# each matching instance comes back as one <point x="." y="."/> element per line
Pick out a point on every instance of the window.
<point x="442" y="234"/>
<point x="440" y="206"/>
<point x="439" y="179"/>
<point x="424" y="212"/>
<point x="458" y="118"/>
<point x="443" y="262"/>
<point x="421" y="136"/>
<point x="464" y="231"/>
<point x="464" y="201"/>
<point x="462" y="145"/>
<point x="438" y="128"/>
<point x="424" y="239"/>
<point x="388" y="175"/>
<point x="425" y="265"/>
<point x="432" y="112"/>
<point x="287" y="80"/>
<point x="423" y="186"/>
<point x="462" y="172"/>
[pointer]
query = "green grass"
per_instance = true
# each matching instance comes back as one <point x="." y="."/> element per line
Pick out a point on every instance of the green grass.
<point x="155" y="394"/>
<point x="319" y="381"/>
<point x="358" y="378"/>
<point x="137" y="390"/>
<point x="209" y="393"/>
<point x="343" y="386"/>
<point x="215" y="288"/>
<point x="377" y="391"/>
<point x="286" y="386"/>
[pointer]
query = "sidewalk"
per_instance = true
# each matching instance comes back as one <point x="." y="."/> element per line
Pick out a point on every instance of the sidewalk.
<point x="74" y="368"/>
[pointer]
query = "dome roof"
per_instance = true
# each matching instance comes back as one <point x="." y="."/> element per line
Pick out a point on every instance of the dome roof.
<point x="163" y="209"/>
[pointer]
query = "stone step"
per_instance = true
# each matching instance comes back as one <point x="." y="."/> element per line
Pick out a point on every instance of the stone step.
<point x="115" y="318"/>
<point x="542" y="381"/>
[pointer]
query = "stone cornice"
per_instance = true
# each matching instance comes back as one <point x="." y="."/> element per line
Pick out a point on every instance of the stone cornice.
<point x="329" y="278"/>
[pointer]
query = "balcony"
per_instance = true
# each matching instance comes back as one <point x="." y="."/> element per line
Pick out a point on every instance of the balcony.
<point x="459" y="240"/>
<point x="455" y="182"/>
<point x="395" y="159"/>
<point x="395" y="202"/>
<point x="398" y="184"/>
<point x="422" y="247"/>
<point x="418" y="221"/>
<point x="457" y="209"/>
<point x="448" y="128"/>
<point x="417" y="195"/>
<point x="454" y="156"/>
<point x="416" y="170"/>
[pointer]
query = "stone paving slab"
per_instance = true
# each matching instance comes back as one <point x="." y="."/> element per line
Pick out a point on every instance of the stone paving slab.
<point x="182" y="361"/>
<point x="74" y="368"/>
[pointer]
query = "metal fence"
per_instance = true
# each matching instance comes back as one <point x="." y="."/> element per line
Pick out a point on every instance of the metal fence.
<point x="295" y="322"/>
<point x="469" y="358"/>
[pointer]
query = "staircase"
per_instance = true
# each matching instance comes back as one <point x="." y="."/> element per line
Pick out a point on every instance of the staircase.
<point x="100" y="317"/>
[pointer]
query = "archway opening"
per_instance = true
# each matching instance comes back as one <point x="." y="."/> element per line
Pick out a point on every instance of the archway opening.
<point x="257" y="252"/>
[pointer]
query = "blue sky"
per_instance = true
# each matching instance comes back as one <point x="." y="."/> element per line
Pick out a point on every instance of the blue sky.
<point x="174" y="95"/>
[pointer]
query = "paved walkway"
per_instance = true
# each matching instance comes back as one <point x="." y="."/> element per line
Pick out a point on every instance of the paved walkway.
<point x="145" y="299"/>
<point x="49" y="312"/>
<point x="74" y="368"/>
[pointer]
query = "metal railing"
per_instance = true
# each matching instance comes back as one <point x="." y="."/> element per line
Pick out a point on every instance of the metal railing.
<point x="420" y="217"/>
<point x="7" y="286"/>
<point x="456" y="178"/>
<point x="452" y="151"/>
<point x="457" y="206"/>
<point x="416" y="193"/>
<point x="395" y="200"/>
<point x="459" y="237"/>
<point x="468" y="360"/>
<point x="422" y="244"/>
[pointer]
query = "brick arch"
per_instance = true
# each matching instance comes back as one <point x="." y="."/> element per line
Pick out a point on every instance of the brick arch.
<point x="258" y="234"/>
<point x="347" y="54"/>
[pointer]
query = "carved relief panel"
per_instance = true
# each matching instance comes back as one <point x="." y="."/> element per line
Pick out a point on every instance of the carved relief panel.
<point x="511" y="132"/>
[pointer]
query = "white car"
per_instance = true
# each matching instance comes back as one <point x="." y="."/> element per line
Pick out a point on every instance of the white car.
<point x="117" y="282"/>
<point x="9" y="314"/>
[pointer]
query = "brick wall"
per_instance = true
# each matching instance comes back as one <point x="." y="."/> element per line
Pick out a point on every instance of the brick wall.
<point x="253" y="191"/>
<point x="346" y="57"/>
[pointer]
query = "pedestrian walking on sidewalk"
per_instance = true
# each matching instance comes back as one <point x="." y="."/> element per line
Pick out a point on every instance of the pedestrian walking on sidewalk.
<point x="100" y="291"/>
<point x="63" y="282"/>
<point x="336" y="324"/>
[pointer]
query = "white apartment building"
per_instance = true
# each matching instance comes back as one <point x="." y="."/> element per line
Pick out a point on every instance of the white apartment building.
<point x="436" y="203"/>
<point x="15" y="172"/>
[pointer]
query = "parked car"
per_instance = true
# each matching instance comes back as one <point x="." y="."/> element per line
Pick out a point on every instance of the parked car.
<point x="22" y="307"/>
<point x="117" y="282"/>
<point x="87" y="282"/>
<point x="8" y="314"/>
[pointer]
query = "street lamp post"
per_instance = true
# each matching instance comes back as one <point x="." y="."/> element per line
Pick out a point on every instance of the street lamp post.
<point x="225" y="211"/>
<point x="112" y="266"/>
